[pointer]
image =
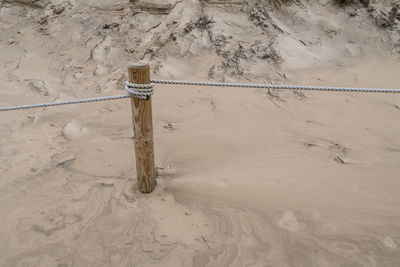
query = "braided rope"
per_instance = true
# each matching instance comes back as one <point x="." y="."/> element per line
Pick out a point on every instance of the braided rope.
<point x="142" y="91"/>
<point x="276" y="86"/>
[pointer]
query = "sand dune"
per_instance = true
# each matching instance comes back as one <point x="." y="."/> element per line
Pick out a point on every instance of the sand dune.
<point x="242" y="181"/>
<point x="246" y="177"/>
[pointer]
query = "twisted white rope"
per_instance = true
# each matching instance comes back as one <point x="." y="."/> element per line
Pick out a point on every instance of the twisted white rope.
<point x="66" y="102"/>
<point x="276" y="86"/>
<point x="142" y="91"/>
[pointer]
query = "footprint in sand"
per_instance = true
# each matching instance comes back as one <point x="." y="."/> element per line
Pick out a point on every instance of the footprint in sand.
<point x="389" y="243"/>
<point x="74" y="129"/>
<point x="335" y="151"/>
<point x="289" y="221"/>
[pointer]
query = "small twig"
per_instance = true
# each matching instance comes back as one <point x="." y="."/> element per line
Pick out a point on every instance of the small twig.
<point x="205" y="241"/>
<point x="19" y="63"/>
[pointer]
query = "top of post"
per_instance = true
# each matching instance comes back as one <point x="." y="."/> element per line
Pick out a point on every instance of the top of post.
<point x="138" y="65"/>
<point x="139" y="73"/>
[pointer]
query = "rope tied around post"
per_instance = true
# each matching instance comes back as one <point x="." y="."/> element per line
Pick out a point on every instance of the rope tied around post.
<point x="142" y="91"/>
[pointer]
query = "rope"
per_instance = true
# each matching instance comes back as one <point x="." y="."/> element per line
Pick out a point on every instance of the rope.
<point x="66" y="102"/>
<point x="142" y="91"/>
<point x="276" y="86"/>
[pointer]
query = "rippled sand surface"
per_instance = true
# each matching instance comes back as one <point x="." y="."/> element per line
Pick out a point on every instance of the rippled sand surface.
<point x="246" y="178"/>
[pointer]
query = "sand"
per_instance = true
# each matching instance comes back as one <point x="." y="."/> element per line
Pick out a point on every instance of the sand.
<point x="247" y="177"/>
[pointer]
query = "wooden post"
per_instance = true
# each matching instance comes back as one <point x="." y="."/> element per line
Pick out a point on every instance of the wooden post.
<point x="143" y="130"/>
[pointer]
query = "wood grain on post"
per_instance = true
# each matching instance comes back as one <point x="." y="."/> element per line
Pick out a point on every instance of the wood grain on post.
<point x="143" y="130"/>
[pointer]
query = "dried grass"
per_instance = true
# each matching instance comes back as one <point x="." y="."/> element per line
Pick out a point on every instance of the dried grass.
<point x="353" y="2"/>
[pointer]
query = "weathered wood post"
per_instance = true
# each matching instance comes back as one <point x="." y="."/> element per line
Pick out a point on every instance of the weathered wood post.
<point x="143" y="130"/>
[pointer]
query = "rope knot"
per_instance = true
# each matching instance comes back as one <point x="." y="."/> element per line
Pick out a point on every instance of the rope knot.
<point x="142" y="91"/>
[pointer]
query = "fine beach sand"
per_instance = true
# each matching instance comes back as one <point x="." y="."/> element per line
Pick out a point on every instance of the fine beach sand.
<point x="246" y="177"/>
<point x="309" y="181"/>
